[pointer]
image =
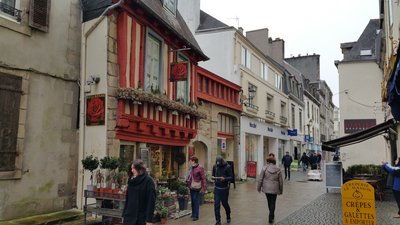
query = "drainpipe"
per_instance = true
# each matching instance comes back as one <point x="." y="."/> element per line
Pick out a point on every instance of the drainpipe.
<point x="83" y="95"/>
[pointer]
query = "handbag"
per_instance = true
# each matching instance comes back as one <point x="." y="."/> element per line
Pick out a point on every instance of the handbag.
<point x="195" y="185"/>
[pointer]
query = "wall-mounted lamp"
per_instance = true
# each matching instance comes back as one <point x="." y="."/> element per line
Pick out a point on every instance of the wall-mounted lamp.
<point x="246" y="101"/>
<point x="93" y="79"/>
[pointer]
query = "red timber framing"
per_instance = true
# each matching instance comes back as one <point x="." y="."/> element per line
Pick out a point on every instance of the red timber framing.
<point x="212" y="88"/>
<point x="148" y="122"/>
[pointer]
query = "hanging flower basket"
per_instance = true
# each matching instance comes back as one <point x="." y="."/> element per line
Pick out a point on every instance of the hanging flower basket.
<point x="139" y="95"/>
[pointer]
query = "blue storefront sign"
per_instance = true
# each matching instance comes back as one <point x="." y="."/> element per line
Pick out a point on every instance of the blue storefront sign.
<point x="292" y="132"/>
<point x="307" y="138"/>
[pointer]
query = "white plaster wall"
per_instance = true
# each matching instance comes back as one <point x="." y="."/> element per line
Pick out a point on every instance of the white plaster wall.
<point x="219" y="47"/>
<point x="47" y="134"/>
<point x="45" y="52"/>
<point x="93" y="138"/>
<point x="190" y="11"/>
<point x="361" y="102"/>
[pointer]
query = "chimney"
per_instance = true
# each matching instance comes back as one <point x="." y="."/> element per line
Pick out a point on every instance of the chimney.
<point x="240" y="30"/>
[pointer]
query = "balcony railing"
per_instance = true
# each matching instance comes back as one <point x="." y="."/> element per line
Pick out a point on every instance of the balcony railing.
<point x="283" y="119"/>
<point x="10" y="11"/>
<point x="269" y="114"/>
<point x="251" y="106"/>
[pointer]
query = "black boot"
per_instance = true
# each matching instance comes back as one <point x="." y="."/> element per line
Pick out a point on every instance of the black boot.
<point x="228" y="219"/>
<point x="218" y="223"/>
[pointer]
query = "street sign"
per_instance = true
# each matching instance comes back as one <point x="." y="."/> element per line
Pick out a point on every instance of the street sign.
<point x="223" y="145"/>
<point x="358" y="203"/>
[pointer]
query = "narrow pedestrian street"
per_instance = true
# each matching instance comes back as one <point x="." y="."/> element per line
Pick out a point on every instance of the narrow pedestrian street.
<point x="250" y="207"/>
<point x="303" y="202"/>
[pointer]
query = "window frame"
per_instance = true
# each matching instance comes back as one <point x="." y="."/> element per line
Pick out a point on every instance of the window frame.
<point x="167" y="4"/>
<point x="183" y="58"/>
<point x="17" y="6"/>
<point x="151" y="34"/>
<point x="246" y="57"/>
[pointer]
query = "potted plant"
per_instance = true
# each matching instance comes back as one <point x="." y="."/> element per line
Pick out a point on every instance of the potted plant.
<point x="163" y="215"/>
<point x="90" y="163"/>
<point x="113" y="164"/>
<point x="183" y="196"/>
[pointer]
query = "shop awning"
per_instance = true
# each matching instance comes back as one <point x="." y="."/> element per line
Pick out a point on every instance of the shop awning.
<point x="359" y="136"/>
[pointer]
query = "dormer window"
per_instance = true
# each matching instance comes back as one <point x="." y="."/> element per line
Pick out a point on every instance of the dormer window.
<point x="170" y="5"/>
<point x="366" y="52"/>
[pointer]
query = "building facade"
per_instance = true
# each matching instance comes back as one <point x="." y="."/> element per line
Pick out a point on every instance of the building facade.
<point x="360" y="108"/>
<point x="264" y="120"/>
<point x="309" y="65"/>
<point x="39" y="94"/>
<point x="145" y="58"/>
<point x="219" y="133"/>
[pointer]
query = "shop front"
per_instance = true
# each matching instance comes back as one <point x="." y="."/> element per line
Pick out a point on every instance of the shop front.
<point x="259" y="139"/>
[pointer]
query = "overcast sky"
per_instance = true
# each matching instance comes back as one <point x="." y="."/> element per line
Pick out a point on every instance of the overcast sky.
<point x="307" y="26"/>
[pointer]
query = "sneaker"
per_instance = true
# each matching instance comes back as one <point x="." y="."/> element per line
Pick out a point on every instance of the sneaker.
<point x="195" y="218"/>
<point x="218" y="223"/>
<point x="396" y="216"/>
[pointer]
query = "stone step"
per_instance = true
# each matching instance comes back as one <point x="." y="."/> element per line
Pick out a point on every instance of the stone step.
<point x="47" y="219"/>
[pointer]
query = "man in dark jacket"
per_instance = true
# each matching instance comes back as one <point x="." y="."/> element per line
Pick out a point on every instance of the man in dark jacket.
<point x="140" y="197"/>
<point x="222" y="174"/>
<point x="287" y="162"/>
<point x="304" y="161"/>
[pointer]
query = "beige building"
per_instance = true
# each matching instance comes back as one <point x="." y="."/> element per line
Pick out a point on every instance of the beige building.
<point x="39" y="93"/>
<point x="389" y="62"/>
<point x="360" y="106"/>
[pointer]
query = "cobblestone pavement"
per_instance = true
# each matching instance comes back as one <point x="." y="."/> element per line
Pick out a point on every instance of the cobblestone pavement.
<point x="327" y="209"/>
<point x="250" y="207"/>
<point x="303" y="202"/>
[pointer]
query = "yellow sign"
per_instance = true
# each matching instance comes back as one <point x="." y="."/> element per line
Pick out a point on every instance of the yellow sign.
<point x="358" y="203"/>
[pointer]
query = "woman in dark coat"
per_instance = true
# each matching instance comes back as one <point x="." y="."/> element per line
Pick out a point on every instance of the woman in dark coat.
<point x="140" y="197"/>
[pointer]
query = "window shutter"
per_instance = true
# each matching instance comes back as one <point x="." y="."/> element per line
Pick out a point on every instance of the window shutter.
<point x="39" y="14"/>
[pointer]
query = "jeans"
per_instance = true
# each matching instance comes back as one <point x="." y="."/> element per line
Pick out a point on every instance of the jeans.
<point x="397" y="197"/>
<point x="287" y="172"/>
<point x="271" y="198"/>
<point x="304" y="165"/>
<point x="195" y="197"/>
<point x="221" y="196"/>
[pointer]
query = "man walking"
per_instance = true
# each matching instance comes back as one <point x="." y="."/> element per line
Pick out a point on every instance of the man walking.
<point x="222" y="174"/>
<point x="287" y="161"/>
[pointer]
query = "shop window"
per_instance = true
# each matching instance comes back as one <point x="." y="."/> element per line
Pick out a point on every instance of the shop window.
<point x="127" y="155"/>
<point x="10" y="92"/>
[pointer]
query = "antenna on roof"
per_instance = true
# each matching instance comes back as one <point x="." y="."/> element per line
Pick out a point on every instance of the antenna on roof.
<point x="235" y="18"/>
